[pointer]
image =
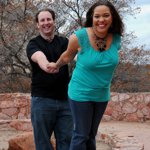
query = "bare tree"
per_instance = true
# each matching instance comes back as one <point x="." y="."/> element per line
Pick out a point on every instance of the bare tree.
<point x="17" y="27"/>
<point x="132" y="74"/>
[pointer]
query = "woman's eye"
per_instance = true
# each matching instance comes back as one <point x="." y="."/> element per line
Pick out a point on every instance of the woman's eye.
<point x="107" y="15"/>
<point x="96" y="16"/>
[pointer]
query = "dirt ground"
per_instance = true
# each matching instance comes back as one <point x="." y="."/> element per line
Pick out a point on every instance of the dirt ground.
<point x="7" y="133"/>
<point x="141" y="131"/>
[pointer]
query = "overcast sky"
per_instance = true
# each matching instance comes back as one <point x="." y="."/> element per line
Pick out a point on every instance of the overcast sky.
<point x="141" y="24"/>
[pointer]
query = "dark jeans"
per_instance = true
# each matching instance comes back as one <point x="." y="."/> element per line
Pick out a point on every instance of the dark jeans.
<point x="86" y="117"/>
<point x="48" y="115"/>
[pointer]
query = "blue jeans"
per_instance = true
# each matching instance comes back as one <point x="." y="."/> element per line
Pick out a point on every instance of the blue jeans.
<point x="48" y="116"/>
<point x="86" y="117"/>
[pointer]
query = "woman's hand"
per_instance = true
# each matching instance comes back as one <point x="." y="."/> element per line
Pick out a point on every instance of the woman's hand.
<point x="52" y="68"/>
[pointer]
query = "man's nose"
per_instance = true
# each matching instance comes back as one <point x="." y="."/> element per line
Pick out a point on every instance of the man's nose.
<point x="46" y="21"/>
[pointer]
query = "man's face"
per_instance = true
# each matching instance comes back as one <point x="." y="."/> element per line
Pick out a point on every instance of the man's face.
<point x="46" y="24"/>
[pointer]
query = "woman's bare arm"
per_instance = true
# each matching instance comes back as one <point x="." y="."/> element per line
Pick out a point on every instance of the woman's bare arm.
<point x="70" y="53"/>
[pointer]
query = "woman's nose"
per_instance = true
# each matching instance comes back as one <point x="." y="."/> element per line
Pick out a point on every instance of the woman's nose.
<point x="101" y="19"/>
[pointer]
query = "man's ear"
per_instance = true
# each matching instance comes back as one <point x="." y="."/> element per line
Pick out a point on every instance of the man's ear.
<point x="37" y="24"/>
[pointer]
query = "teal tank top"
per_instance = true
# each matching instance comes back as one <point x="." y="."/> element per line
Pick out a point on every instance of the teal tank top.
<point x="91" y="78"/>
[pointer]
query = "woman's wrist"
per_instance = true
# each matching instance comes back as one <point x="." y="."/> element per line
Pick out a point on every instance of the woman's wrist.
<point x="60" y="63"/>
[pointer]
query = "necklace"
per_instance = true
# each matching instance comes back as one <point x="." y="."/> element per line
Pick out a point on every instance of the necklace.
<point x="100" y="42"/>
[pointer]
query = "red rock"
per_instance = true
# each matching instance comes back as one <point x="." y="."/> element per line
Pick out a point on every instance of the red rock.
<point x="24" y="141"/>
<point x="22" y="125"/>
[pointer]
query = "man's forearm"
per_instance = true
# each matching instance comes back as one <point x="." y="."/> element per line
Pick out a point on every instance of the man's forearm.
<point x="39" y="58"/>
<point x="43" y="62"/>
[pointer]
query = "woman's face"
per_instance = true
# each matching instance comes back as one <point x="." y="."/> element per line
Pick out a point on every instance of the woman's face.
<point x="102" y="19"/>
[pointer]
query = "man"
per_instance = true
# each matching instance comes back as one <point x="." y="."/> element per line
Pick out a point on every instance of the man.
<point x="50" y="111"/>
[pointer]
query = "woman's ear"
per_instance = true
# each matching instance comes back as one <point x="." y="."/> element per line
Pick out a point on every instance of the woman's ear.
<point x="121" y="53"/>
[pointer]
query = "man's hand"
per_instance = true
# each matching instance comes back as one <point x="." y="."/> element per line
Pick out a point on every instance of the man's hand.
<point x="52" y="68"/>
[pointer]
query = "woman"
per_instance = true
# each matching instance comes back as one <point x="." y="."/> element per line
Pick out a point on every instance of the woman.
<point x="96" y="46"/>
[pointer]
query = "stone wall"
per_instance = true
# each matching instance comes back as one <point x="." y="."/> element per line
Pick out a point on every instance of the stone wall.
<point x="128" y="107"/>
<point x="14" y="106"/>
<point x="122" y="107"/>
<point x="135" y="107"/>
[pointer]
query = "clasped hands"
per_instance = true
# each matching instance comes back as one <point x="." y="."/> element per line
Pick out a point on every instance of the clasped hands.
<point x="52" y="67"/>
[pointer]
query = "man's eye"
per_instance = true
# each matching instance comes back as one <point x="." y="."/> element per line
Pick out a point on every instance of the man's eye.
<point x="41" y="20"/>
